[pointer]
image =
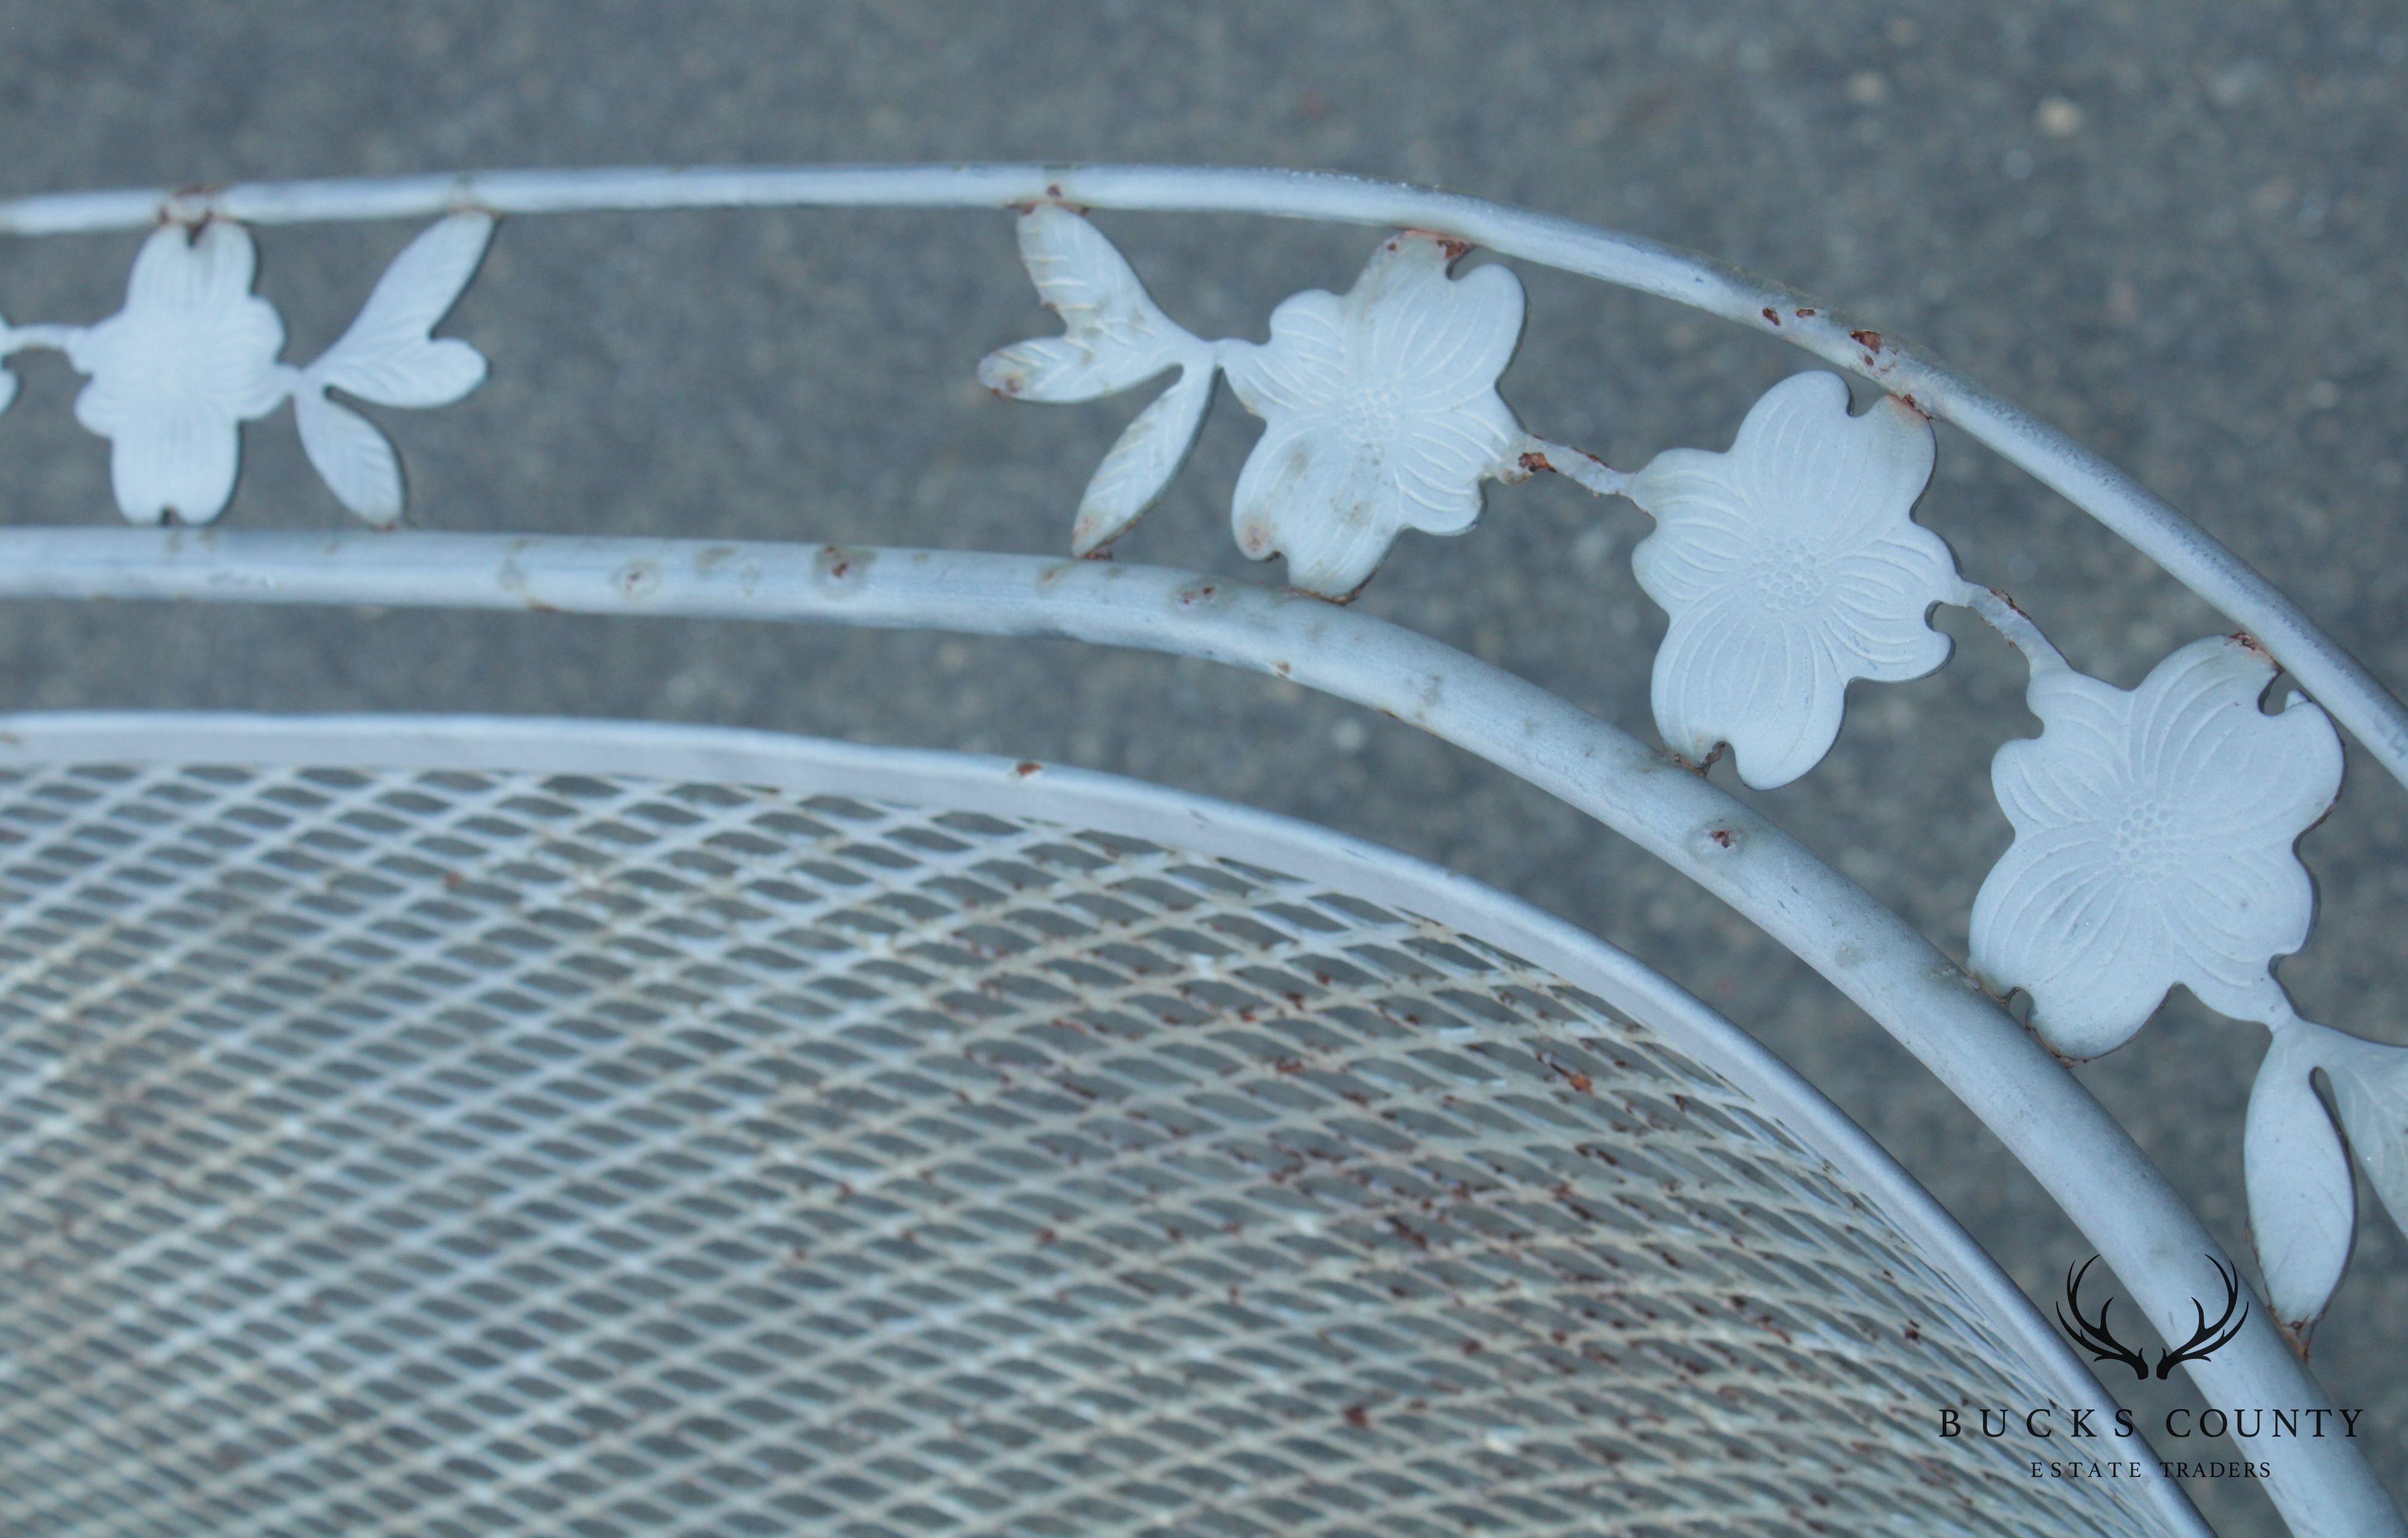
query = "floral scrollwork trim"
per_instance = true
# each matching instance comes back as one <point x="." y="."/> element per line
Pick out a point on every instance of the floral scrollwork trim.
<point x="193" y="354"/>
<point x="1379" y="405"/>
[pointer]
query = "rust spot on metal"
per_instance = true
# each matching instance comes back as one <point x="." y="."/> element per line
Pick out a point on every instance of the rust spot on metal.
<point x="1026" y="768"/>
<point x="1472" y="1348"/>
<point x="1869" y="341"/>
<point x="1773" y="315"/>
<point x="1535" y="461"/>
<point x="1721" y="835"/>
<point x="1452" y="246"/>
<point x="1914" y="405"/>
<point x="1804" y="314"/>
<point x="2252" y="645"/>
<point x="1358" y="1417"/>
<point x="1572" y="1077"/>
<point x="638" y="578"/>
<point x="453" y="881"/>
<point x="836" y="563"/>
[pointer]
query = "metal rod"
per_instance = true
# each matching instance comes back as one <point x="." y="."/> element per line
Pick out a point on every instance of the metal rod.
<point x="2079" y="1153"/>
<point x="2192" y="556"/>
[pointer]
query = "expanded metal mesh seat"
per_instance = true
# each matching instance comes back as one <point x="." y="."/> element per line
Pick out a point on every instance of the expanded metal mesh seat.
<point x="418" y="1125"/>
<point x="394" y="1149"/>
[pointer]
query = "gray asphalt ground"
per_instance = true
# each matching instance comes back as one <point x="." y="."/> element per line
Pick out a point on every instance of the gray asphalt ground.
<point x="2172" y="229"/>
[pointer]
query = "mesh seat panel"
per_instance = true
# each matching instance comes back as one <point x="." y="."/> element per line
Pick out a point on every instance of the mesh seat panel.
<point x="462" y="1152"/>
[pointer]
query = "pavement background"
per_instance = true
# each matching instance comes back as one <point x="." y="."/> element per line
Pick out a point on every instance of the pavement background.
<point x="2170" y="229"/>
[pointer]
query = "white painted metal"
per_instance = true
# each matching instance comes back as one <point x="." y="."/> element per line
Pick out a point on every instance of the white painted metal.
<point x="2154" y="828"/>
<point x="2079" y="1153"/>
<point x="2356" y="699"/>
<point x="1380" y="407"/>
<point x="192" y="356"/>
<point x="1791" y="566"/>
<point x="2154" y="844"/>
<point x="458" y="1118"/>
<point x="2155" y="834"/>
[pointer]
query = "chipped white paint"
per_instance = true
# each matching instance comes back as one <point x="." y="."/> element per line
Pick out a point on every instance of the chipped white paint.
<point x="1790" y="566"/>
<point x="1380" y="412"/>
<point x="2154" y="834"/>
<point x="192" y="356"/>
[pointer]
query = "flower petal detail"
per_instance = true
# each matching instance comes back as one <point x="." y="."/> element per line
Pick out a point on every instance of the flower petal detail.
<point x="177" y="461"/>
<point x="2154" y="845"/>
<point x="1380" y="410"/>
<point x="1799" y="548"/>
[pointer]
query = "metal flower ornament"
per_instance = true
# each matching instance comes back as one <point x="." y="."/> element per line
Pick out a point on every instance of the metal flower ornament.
<point x="2154" y="834"/>
<point x="2155" y="847"/>
<point x="1790" y="566"/>
<point x="1381" y="406"/>
<point x="1380" y="412"/>
<point x="2154" y="827"/>
<point x="176" y="372"/>
<point x="192" y="356"/>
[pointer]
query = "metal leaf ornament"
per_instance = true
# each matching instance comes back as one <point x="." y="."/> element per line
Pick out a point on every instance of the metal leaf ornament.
<point x="192" y="356"/>
<point x="1114" y="337"/>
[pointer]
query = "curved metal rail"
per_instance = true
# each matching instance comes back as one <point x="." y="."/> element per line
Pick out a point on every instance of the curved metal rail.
<point x="2193" y="557"/>
<point x="2089" y="1165"/>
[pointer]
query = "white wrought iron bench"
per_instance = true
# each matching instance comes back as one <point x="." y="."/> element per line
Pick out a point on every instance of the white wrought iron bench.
<point x="431" y="1125"/>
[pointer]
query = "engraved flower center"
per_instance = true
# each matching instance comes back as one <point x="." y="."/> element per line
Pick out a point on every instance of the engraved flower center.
<point x="1369" y="411"/>
<point x="1786" y="573"/>
<point x="2144" y="842"/>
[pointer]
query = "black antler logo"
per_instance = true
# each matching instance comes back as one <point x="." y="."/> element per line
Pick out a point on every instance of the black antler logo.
<point x="2093" y="1336"/>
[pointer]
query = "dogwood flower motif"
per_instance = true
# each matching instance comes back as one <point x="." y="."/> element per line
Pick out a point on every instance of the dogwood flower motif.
<point x="191" y="358"/>
<point x="1790" y="566"/>
<point x="1381" y="411"/>
<point x="2154" y="834"/>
